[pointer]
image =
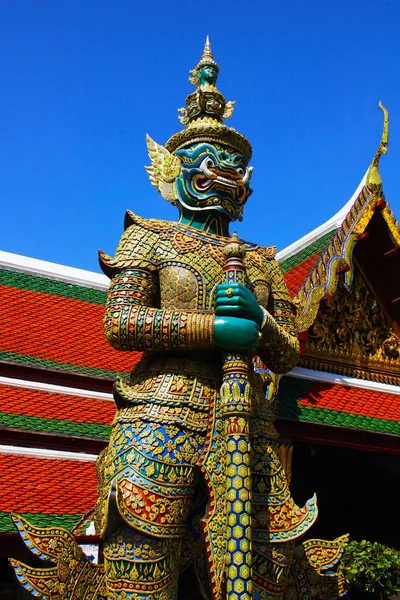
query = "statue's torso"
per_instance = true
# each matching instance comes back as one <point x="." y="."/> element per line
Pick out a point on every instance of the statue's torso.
<point x="189" y="263"/>
<point x="168" y="423"/>
<point x="182" y="390"/>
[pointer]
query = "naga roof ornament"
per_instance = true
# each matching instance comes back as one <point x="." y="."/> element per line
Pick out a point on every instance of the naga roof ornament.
<point x="373" y="181"/>
<point x="337" y="259"/>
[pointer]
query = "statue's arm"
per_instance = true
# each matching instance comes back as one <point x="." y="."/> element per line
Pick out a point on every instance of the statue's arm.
<point x="132" y="320"/>
<point x="279" y="345"/>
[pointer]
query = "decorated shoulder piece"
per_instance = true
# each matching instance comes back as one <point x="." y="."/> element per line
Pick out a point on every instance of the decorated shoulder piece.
<point x="136" y="248"/>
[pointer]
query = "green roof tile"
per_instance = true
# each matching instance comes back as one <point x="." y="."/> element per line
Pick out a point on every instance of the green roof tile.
<point x="58" y="366"/>
<point x="59" y="426"/>
<point x="307" y="252"/>
<point x="331" y="417"/>
<point x="292" y="390"/>
<point x="43" y="285"/>
<point x="40" y="520"/>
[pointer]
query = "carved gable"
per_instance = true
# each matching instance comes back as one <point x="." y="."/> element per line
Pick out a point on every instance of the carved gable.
<point x="352" y="336"/>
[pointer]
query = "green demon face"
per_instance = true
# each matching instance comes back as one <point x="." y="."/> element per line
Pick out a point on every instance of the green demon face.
<point x="213" y="177"/>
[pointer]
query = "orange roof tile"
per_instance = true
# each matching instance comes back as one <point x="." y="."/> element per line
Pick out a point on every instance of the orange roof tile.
<point x="367" y="403"/>
<point x="338" y="405"/>
<point x="36" y="403"/>
<point x="46" y="485"/>
<point x="295" y="277"/>
<point x="59" y="329"/>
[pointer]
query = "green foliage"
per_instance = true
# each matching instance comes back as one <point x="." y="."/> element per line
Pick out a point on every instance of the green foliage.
<point x="372" y="567"/>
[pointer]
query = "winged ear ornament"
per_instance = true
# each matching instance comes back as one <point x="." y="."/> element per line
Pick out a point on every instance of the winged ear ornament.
<point x="228" y="110"/>
<point x="164" y="169"/>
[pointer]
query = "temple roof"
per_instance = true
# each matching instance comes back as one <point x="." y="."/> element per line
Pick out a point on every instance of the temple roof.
<point x="315" y="265"/>
<point x="47" y="487"/>
<point x="58" y="487"/>
<point x="59" y="324"/>
<point x="373" y="407"/>
<point x="56" y="410"/>
<point x="70" y="418"/>
<point x="297" y="266"/>
<point x="316" y="241"/>
<point x="312" y="266"/>
<point x="59" y="330"/>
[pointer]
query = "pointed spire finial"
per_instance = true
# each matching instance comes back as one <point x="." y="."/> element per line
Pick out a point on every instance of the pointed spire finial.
<point x="385" y="133"/>
<point x="205" y="111"/>
<point x="207" y="60"/>
<point x="207" y="52"/>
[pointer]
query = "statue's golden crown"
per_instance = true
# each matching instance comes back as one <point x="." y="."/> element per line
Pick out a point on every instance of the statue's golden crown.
<point x="206" y="109"/>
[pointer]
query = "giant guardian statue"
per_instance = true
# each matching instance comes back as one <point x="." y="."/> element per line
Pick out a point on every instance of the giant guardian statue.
<point x="192" y="475"/>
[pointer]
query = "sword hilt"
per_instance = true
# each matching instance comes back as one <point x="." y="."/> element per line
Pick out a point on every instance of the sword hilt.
<point x="234" y="270"/>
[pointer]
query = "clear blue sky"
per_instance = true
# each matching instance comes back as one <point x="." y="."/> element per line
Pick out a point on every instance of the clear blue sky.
<point x="84" y="80"/>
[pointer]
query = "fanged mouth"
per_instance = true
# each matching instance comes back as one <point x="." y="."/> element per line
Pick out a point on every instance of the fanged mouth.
<point x="226" y="181"/>
<point x="235" y="183"/>
<point x="202" y="182"/>
<point x="209" y="176"/>
<point x="237" y="188"/>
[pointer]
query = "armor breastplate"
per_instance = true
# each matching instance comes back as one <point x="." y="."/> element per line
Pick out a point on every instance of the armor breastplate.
<point x="181" y="288"/>
<point x="189" y="282"/>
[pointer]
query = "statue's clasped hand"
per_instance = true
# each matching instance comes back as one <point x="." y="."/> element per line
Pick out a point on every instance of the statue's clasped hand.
<point x="235" y="300"/>
<point x="238" y="318"/>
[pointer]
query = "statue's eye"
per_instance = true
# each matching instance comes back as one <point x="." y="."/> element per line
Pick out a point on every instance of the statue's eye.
<point x="240" y="171"/>
<point x="210" y="162"/>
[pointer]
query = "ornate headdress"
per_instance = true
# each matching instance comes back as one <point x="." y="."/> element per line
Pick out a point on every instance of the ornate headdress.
<point x="205" y="111"/>
<point x="207" y="60"/>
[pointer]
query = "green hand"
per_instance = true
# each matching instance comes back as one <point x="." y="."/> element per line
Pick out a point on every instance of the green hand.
<point x="235" y="300"/>
<point x="232" y="333"/>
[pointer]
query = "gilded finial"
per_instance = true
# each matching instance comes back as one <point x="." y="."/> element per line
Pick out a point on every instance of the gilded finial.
<point x="206" y="102"/>
<point x="385" y="133"/>
<point x="234" y="249"/>
<point x="201" y="76"/>
<point x="374" y="182"/>
<point x="207" y="53"/>
<point x="206" y="109"/>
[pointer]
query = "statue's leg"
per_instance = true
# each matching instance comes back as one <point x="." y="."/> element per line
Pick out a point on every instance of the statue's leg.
<point x="271" y="569"/>
<point x="140" y="566"/>
<point x="277" y="521"/>
<point x="147" y="482"/>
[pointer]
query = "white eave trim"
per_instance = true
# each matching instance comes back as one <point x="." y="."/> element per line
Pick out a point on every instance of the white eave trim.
<point x="332" y="223"/>
<point x="54" y="389"/>
<point x="43" y="453"/>
<point x="362" y="384"/>
<point x="34" y="266"/>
